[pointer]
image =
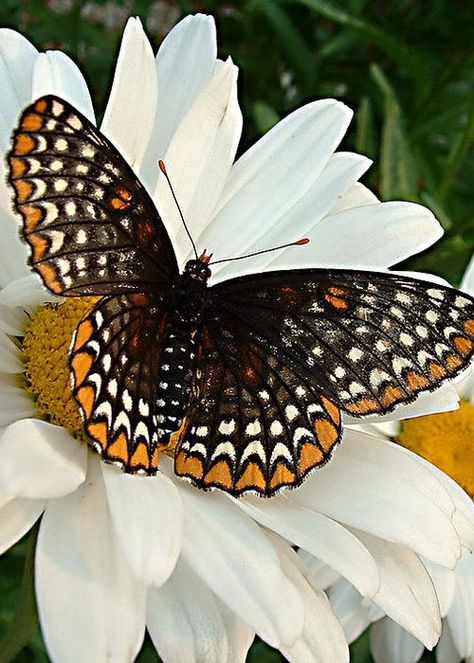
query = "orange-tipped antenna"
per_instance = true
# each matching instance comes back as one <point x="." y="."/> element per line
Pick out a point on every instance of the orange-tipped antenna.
<point x="299" y="242"/>
<point x="162" y="167"/>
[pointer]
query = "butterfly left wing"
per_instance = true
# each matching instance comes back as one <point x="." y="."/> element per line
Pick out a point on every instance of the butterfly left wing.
<point x="317" y="341"/>
<point x="91" y="226"/>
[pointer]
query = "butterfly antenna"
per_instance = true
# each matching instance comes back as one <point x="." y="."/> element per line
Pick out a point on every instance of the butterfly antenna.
<point x="299" y="242"/>
<point x="162" y="167"/>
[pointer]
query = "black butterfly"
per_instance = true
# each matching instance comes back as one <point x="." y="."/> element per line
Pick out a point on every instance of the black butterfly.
<point x="245" y="380"/>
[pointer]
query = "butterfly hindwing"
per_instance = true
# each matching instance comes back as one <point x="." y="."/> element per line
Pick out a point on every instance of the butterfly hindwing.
<point x="256" y="424"/>
<point x="373" y="340"/>
<point x="91" y="226"/>
<point x="114" y="359"/>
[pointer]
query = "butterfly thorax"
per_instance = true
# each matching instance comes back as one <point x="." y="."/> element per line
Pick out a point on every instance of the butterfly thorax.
<point x="175" y="379"/>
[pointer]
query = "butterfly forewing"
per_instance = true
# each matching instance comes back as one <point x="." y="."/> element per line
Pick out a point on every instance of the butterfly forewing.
<point x="91" y="226"/>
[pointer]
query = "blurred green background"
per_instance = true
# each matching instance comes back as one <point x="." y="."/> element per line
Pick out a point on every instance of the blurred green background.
<point x="405" y="67"/>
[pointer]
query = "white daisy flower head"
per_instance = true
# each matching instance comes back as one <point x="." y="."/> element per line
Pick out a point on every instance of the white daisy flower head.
<point x="445" y="441"/>
<point x="205" y="571"/>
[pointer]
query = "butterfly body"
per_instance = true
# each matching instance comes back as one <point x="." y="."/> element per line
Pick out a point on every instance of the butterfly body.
<point x="248" y="378"/>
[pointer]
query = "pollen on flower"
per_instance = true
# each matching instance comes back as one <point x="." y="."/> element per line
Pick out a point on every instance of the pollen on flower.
<point x="46" y="356"/>
<point x="446" y="441"/>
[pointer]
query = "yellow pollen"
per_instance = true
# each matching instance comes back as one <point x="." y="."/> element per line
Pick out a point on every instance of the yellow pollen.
<point x="46" y="355"/>
<point x="446" y="440"/>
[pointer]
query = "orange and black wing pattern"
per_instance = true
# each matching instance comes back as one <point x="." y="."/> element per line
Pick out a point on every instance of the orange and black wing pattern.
<point x="283" y="353"/>
<point x="91" y="227"/>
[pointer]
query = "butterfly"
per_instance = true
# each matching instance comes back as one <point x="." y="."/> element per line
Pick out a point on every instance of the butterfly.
<point x="247" y="379"/>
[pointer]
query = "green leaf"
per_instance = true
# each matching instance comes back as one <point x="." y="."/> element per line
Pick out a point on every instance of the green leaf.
<point x="25" y="619"/>
<point x="366" y="139"/>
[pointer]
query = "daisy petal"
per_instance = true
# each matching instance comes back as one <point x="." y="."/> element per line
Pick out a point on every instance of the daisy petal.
<point x="147" y="514"/>
<point x="467" y="283"/>
<point x="274" y="174"/>
<point x="246" y="573"/>
<point x="9" y="355"/>
<point x="56" y="73"/>
<point x="446" y="651"/>
<point x="13" y="320"/>
<point x="353" y="611"/>
<point x="130" y="112"/>
<point x="357" y="196"/>
<point x="187" y="622"/>
<point x="29" y="291"/>
<point x="389" y="643"/>
<point x="17" y="58"/>
<point x="322" y="639"/>
<point x="323" y="575"/>
<point x="184" y="65"/>
<point x="444" y="584"/>
<point x="380" y="478"/>
<point x="40" y="460"/>
<point x="15" y="404"/>
<point x="406" y="592"/>
<point x="17" y="516"/>
<point x="85" y="591"/>
<point x="460" y="617"/>
<point x="321" y="536"/>
<point x="374" y="237"/>
<point x="200" y="156"/>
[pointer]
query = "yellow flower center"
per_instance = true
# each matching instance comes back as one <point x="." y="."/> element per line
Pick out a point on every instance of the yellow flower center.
<point x="46" y="355"/>
<point x="446" y="440"/>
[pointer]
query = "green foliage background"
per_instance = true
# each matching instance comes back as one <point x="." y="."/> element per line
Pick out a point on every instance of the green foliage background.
<point x="406" y="67"/>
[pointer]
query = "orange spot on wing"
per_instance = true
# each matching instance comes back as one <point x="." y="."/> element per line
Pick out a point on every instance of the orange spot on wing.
<point x="32" y="217"/>
<point x="83" y="334"/>
<point x="81" y="365"/>
<point x="118" y="203"/>
<point x="98" y="432"/>
<point x="282" y="476"/>
<point x="124" y="193"/>
<point x="219" y="475"/>
<point x="24" y="190"/>
<point x="86" y="397"/>
<point x="469" y="327"/>
<point x="186" y="465"/>
<point x="251" y="478"/>
<point x="39" y="245"/>
<point x="18" y="166"/>
<point x="391" y="395"/>
<point x="337" y="291"/>
<point x="437" y="371"/>
<point x="24" y="144"/>
<point x="362" y="406"/>
<point x="332" y="409"/>
<point x="50" y="278"/>
<point x="337" y="302"/>
<point x="41" y="105"/>
<point x="326" y="433"/>
<point x="416" y="381"/>
<point x="453" y="362"/>
<point x="310" y="456"/>
<point x="31" y="122"/>
<point x="118" y="450"/>
<point x="140" y="457"/>
<point x="463" y="345"/>
<point x="155" y="459"/>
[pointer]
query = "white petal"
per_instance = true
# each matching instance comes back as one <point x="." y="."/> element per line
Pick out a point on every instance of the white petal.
<point x="56" y="73"/>
<point x="373" y="237"/>
<point x="446" y="651"/>
<point x="15" y="404"/>
<point x="40" y="460"/>
<point x="369" y="478"/>
<point x="467" y="283"/>
<point x="460" y="617"/>
<point x="389" y="643"/>
<point x="342" y="169"/>
<point x="184" y="65"/>
<point x="274" y="174"/>
<point x="17" y="516"/>
<point x="9" y="355"/>
<point x="321" y="536"/>
<point x="27" y="291"/>
<point x="234" y="558"/>
<point x="130" y="112"/>
<point x="199" y="158"/>
<point x="444" y="584"/>
<point x="147" y="513"/>
<point x="90" y="605"/>
<point x="17" y="58"/>
<point x="357" y="196"/>
<point x="322" y="575"/>
<point x="350" y="607"/>
<point x="322" y="639"/>
<point x="406" y="592"/>
<point x="187" y="622"/>
<point x="13" y="320"/>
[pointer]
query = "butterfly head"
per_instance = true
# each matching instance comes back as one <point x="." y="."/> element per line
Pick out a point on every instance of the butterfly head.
<point x="198" y="270"/>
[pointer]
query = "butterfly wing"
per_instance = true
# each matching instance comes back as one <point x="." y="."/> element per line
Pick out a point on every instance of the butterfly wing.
<point x="91" y="226"/>
<point x="318" y="341"/>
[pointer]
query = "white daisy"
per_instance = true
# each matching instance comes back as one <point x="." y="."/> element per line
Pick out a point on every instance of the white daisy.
<point x="446" y="440"/>
<point x="204" y="572"/>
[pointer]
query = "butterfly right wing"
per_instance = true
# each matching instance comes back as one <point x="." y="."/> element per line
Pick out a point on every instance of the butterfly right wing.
<point x="91" y="227"/>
